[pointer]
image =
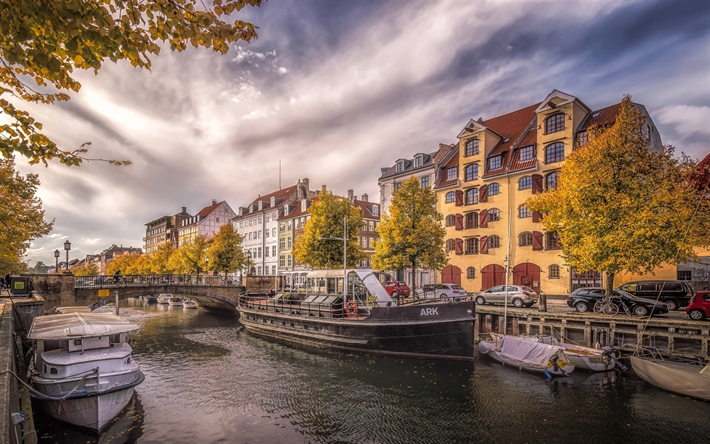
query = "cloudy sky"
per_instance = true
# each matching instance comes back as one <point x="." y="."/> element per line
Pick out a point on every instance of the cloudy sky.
<point x="337" y="89"/>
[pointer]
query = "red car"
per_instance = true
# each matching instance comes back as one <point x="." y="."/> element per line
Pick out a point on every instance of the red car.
<point x="699" y="309"/>
<point x="397" y="289"/>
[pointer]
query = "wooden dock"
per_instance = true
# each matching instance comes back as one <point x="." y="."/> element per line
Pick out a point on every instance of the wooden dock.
<point x="672" y="337"/>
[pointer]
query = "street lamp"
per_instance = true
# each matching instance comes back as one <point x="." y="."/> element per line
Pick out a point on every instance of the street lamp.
<point x="207" y="262"/>
<point x="345" y="260"/>
<point x="67" y="247"/>
<point x="56" y="261"/>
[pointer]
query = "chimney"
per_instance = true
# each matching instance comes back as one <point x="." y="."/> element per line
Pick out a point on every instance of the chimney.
<point x="299" y="190"/>
<point x="306" y="184"/>
<point x="364" y="197"/>
<point x="322" y="189"/>
<point x="351" y="195"/>
<point x="184" y="209"/>
<point x="273" y="201"/>
<point x="480" y="120"/>
<point x="214" y="202"/>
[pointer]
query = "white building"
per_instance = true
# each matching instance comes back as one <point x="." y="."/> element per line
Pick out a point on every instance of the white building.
<point x="257" y="223"/>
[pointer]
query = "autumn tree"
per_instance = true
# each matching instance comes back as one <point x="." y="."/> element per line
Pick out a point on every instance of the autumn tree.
<point x="620" y="206"/>
<point x="86" y="270"/>
<point x="225" y="253"/>
<point x="411" y="233"/>
<point x="160" y="259"/>
<point x="21" y="216"/>
<point x="328" y="214"/>
<point x="43" y="42"/>
<point x="124" y="264"/>
<point x="190" y="257"/>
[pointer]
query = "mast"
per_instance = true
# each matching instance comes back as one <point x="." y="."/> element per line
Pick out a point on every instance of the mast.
<point x="507" y="262"/>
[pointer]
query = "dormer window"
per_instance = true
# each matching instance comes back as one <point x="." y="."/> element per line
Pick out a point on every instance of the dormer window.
<point x="495" y="162"/>
<point x="452" y="173"/>
<point x="526" y="153"/>
<point x="417" y="161"/>
<point x="471" y="148"/>
<point x="555" y="123"/>
<point x="582" y="138"/>
<point x="400" y="166"/>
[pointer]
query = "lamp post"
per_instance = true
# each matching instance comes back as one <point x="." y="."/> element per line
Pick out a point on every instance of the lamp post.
<point x="56" y="261"/>
<point x="345" y="252"/>
<point x="67" y="247"/>
<point x="207" y="263"/>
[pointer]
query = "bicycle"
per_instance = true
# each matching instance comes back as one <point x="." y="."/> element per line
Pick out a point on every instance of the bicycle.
<point x="611" y="308"/>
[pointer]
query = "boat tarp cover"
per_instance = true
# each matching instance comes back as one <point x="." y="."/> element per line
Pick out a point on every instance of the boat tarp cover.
<point x="78" y="325"/>
<point x="522" y="352"/>
<point x="373" y="285"/>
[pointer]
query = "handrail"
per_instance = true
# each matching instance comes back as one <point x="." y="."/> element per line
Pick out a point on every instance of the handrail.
<point x="306" y="309"/>
<point x="139" y="280"/>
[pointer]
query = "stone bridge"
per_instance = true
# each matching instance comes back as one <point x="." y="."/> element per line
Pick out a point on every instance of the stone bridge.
<point x="209" y="291"/>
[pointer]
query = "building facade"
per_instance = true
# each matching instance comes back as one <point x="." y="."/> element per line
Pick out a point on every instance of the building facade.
<point x="258" y="224"/>
<point x="206" y="223"/>
<point x="163" y="231"/>
<point x="483" y="185"/>
<point x="423" y="167"/>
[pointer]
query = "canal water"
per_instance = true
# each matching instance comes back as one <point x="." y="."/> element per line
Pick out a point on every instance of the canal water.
<point x="209" y="381"/>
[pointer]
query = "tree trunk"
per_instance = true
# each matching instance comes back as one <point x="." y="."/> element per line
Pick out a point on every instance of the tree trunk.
<point x="414" y="277"/>
<point x="609" y="285"/>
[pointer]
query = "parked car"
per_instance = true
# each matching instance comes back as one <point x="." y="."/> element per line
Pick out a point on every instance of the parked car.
<point x="675" y="294"/>
<point x="518" y="296"/>
<point x="699" y="309"/>
<point x="397" y="289"/>
<point x="440" y="291"/>
<point x="583" y="299"/>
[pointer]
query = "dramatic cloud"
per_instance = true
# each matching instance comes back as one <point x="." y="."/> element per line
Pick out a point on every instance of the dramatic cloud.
<point x="336" y="90"/>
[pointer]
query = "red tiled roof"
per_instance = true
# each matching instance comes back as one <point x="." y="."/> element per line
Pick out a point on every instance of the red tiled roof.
<point x="280" y="194"/>
<point x="510" y="127"/>
<point x="207" y="210"/>
<point x="529" y="139"/>
<point x="365" y="211"/>
<point x="606" y="116"/>
<point x="454" y="161"/>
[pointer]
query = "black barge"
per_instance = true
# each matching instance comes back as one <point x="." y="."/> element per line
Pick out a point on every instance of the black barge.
<point x="366" y="319"/>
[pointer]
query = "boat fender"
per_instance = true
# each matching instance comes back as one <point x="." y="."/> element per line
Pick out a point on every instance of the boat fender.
<point x="351" y="308"/>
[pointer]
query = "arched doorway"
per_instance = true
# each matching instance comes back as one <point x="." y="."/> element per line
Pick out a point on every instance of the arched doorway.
<point x="492" y="275"/>
<point x="451" y="275"/>
<point x="527" y="274"/>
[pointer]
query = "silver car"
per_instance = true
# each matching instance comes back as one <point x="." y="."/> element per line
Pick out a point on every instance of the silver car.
<point x="440" y="291"/>
<point x="518" y="296"/>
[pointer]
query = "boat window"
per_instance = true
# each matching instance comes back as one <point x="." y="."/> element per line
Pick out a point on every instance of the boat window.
<point x="77" y="341"/>
<point x="52" y="371"/>
<point x="128" y="361"/>
<point x="332" y="286"/>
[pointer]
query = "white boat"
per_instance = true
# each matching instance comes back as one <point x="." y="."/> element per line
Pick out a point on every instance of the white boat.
<point x="583" y="358"/>
<point x="190" y="304"/>
<point x="175" y="302"/>
<point x="82" y="368"/>
<point x="164" y="298"/>
<point x="677" y="377"/>
<point x="528" y="355"/>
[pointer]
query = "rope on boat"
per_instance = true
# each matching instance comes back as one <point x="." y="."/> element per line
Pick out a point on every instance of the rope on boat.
<point x="52" y="398"/>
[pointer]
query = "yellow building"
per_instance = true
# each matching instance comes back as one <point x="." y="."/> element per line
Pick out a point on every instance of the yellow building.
<point x="482" y="187"/>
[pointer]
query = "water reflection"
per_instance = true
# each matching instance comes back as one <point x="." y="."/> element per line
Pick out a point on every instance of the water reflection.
<point x="208" y="381"/>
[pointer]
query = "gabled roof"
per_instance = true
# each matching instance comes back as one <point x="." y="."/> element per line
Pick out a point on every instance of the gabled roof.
<point x="558" y="98"/>
<point x="206" y="211"/>
<point x="472" y="127"/>
<point x="279" y="194"/>
<point x="450" y="162"/>
<point x="365" y="207"/>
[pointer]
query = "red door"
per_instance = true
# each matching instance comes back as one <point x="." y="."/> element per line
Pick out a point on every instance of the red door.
<point x="492" y="275"/>
<point x="451" y="275"/>
<point x="527" y="274"/>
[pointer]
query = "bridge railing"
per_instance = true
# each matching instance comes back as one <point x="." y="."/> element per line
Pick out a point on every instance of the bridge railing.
<point x="143" y="280"/>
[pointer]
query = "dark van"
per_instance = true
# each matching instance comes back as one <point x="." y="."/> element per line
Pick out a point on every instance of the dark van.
<point x="675" y="294"/>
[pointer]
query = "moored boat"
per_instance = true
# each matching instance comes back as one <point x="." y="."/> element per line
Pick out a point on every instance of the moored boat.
<point x="366" y="319"/>
<point x="151" y="299"/>
<point x="164" y="298"/>
<point x="190" y="304"/>
<point x="583" y="358"/>
<point x="527" y="354"/>
<point x="676" y="377"/>
<point x="175" y="302"/>
<point x="82" y="368"/>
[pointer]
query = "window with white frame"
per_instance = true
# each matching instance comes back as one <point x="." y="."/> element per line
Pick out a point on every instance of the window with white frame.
<point x="495" y="162"/>
<point x="526" y="153"/>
